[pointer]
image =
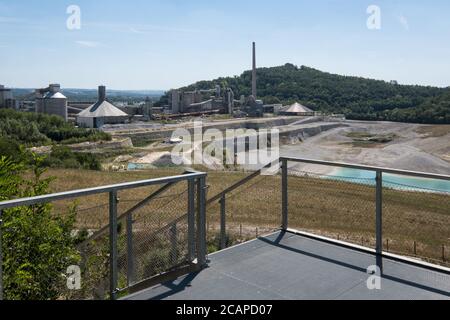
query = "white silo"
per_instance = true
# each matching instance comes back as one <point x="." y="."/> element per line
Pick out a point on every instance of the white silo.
<point x="52" y="101"/>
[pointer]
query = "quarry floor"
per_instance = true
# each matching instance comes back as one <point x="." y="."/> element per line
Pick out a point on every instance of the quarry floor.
<point x="414" y="147"/>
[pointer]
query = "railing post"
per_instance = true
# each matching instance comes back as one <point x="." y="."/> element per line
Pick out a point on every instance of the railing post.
<point x="223" y="230"/>
<point x="201" y="222"/>
<point x="130" y="255"/>
<point x="379" y="212"/>
<point x="173" y="244"/>
<point x="1" y="256"/>
<point x="113" y="244"/>
<point x="191" y="219"/>
<point x="284" y="193"/>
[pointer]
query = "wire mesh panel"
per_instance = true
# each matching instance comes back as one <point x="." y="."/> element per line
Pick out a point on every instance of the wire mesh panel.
<point x="49" y="256"/>
<point x="416" y="219"/>
<point x="91" y="220"/>
<point x="341" y="208"/>
<point x="153" y="239"/>
<point x="251" y="210"/>
<point x="101" y="243"/>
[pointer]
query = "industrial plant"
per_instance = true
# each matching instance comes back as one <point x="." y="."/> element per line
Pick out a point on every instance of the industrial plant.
<point x="217" y="100"/>
<point x="51" y="101"/>
<point x="6" y="98"/>
<point x="180" y="104"/>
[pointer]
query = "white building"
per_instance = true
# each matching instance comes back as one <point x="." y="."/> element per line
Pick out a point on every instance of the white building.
<point x="101" y="113"/>
<point x="297" y="109"/>
<point x="51" y="101"/>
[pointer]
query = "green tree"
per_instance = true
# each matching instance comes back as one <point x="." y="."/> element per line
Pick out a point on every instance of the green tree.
<point x="37" y="244"/>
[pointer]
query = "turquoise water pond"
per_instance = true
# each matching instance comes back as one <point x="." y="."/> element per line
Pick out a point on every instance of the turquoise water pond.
<point x="392" y="180"/>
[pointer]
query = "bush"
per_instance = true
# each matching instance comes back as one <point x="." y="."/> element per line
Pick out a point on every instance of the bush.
<point x="35" y="129"/>
<point x="37" y="246"/>
<point x="63" y="157"/>
<point x="9" y="147"/>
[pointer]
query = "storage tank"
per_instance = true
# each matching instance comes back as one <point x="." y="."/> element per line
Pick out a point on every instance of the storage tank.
<point x="52" y="101"/>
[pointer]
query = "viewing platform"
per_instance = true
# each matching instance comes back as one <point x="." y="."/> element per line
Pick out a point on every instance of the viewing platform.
<point x="288" y="266"/>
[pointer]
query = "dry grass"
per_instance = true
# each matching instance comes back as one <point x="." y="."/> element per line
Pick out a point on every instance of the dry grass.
<point x="336" y="209"/>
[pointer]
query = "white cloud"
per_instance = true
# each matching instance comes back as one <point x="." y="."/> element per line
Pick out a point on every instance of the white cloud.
<point x="404" y="22"/>
<point x="89" y="44"/>
<point x="140" y="28"/>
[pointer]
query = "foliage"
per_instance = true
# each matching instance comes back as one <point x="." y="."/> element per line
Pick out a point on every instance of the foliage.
<point x="9" y="147"/>
<point x="357" y="98"/>
<point x="35" y="129"/>
<point x="63" y="157"/>
<point x="37" y="245"/>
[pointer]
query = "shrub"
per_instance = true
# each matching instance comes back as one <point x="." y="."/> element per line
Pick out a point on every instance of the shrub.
<point x="37" y="246"/>
<point x="35" y="129"/>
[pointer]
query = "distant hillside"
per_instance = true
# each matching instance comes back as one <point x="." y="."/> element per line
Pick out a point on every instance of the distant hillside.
<point x="358" y="98"/>
<point x="91" y="94"/>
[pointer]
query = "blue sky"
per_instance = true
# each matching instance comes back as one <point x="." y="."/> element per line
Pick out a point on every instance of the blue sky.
<point x="162" y="44"/>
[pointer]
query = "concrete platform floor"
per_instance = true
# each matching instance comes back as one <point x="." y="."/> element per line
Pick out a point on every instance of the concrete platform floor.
<point x="291" y="267"/>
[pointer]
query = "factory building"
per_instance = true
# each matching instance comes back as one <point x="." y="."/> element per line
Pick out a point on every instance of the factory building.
<point x="217" y="100"/>
<point x="100" y="113"/>
<point x="6" y="98"/>
<point x="51" y="101"/>
<point x="198" y="100"/>
<point x="147" y="109"/>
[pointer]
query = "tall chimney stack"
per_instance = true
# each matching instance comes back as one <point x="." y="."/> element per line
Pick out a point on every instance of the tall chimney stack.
<point x="254" y="72"/>
<point x="101" y="93"/>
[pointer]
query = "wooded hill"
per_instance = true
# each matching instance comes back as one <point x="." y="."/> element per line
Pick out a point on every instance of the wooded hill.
<point x="357" y="98"/>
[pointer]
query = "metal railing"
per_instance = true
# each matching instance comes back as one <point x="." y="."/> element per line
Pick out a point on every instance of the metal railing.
<point x="373" y="199"/>
<point x="372" y="208"/>
<point x="396" y="208"/>
<point x="195" y="228"/>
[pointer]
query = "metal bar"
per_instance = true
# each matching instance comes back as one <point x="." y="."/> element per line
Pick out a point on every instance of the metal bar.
<point x="223" y="232"/>
<point x="1" y="256"/>
<point x="113" y="244"/>
<point x="201" y="222"/>
<point x="240" y="183"/>
<point x="369" y="168"/>
<point x="103" y="230"/>
<point x="97" y="190"/>
<point x="379" y="212"/>
<point x="284" y="194"/>
<point x="191" y="219"/>
<point x="130" y="255"/>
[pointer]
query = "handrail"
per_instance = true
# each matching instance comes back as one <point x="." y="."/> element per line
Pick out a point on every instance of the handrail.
<point x="143" y="202"/>
<point x="240" y="183"/>
<point x="194" y="179"/>
<point x="91" y="191"/>
<point x="369" y="168"/>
